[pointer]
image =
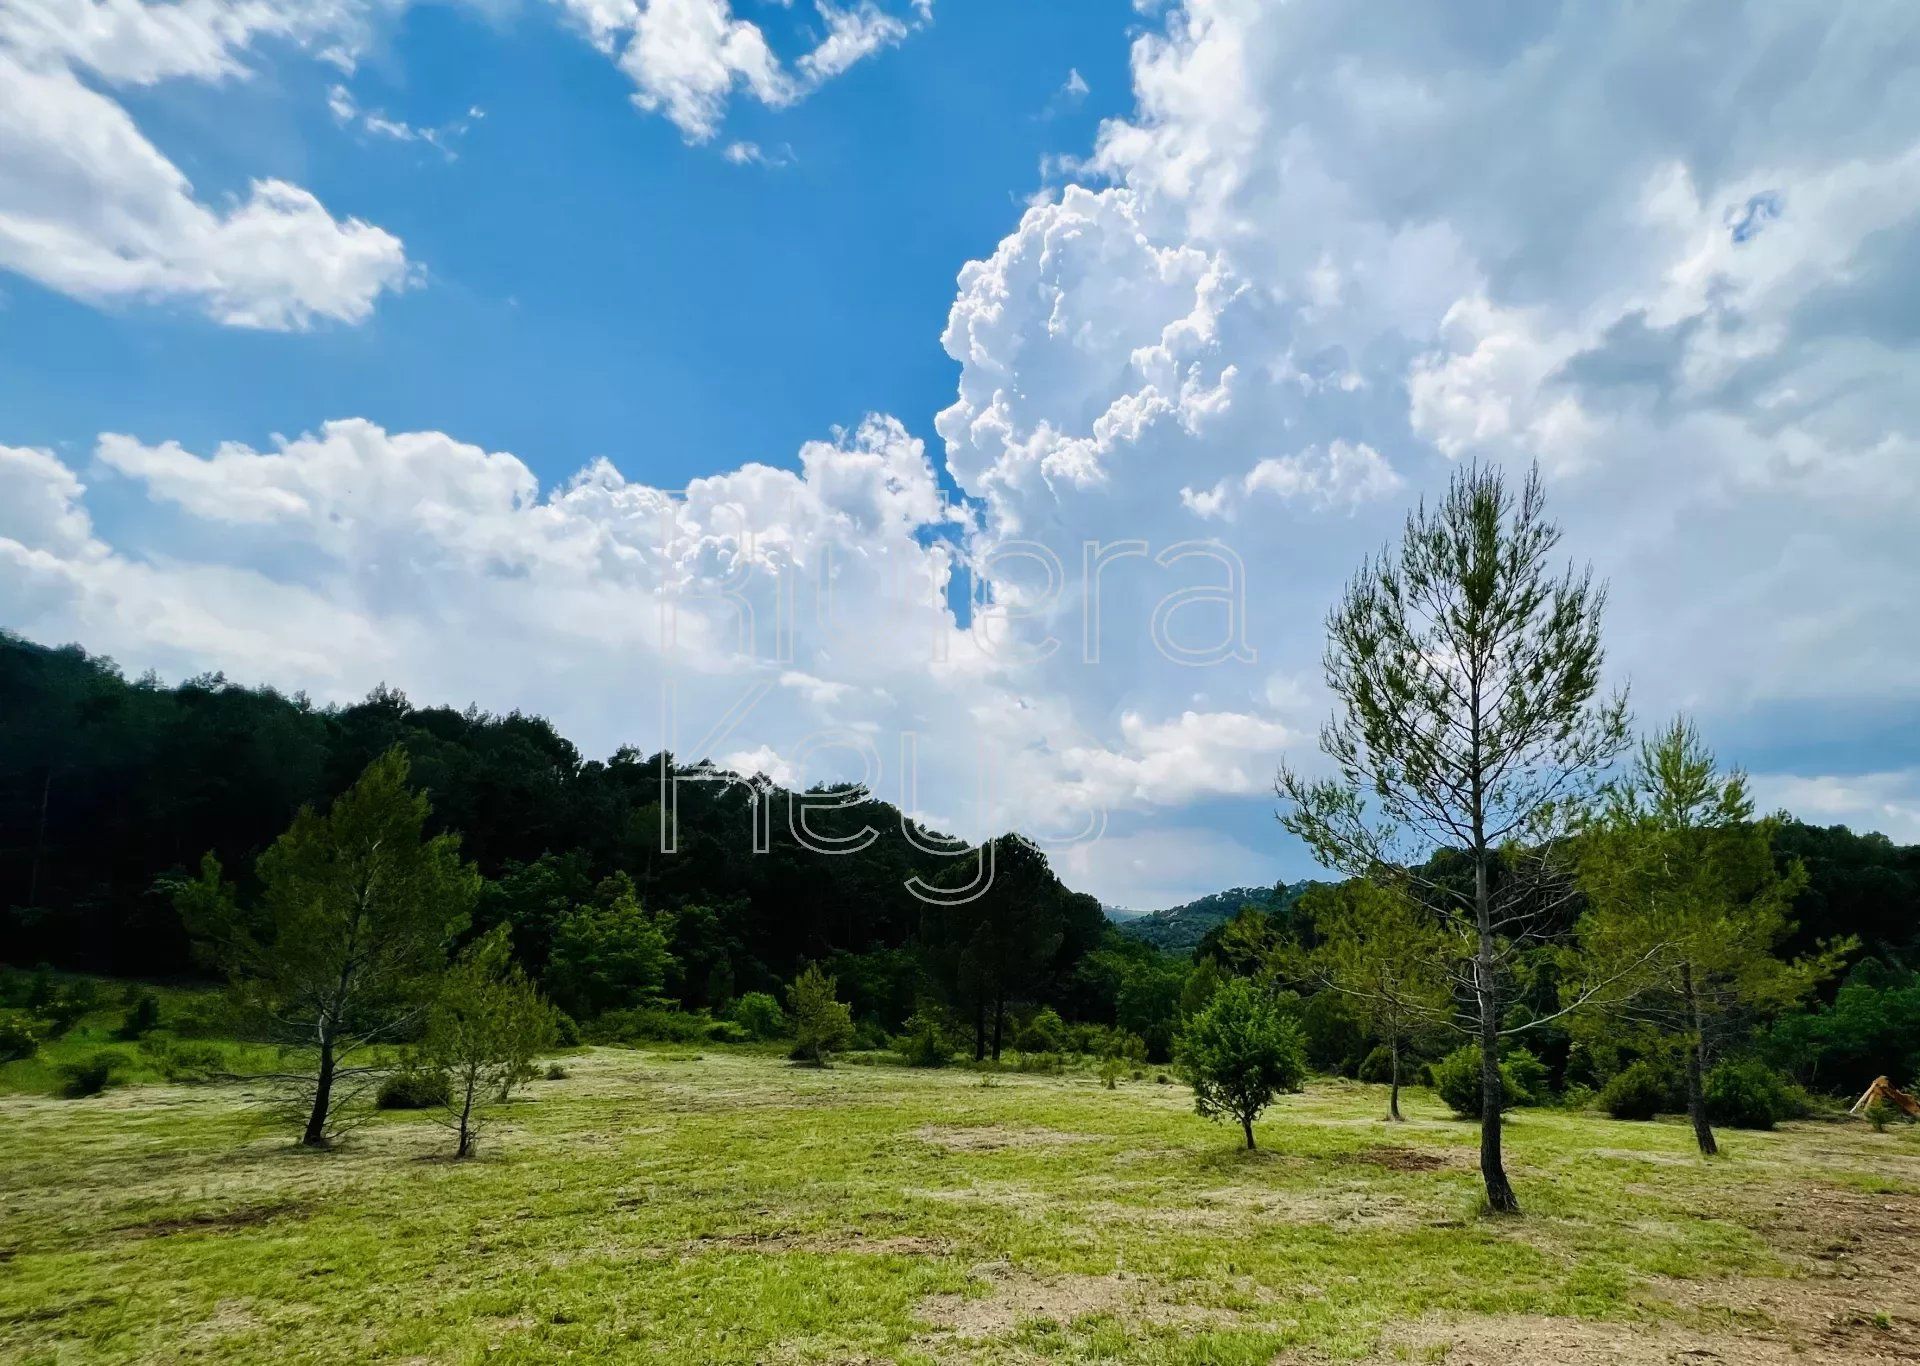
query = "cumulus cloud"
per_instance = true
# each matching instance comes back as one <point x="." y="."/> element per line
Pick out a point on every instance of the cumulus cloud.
<point x="688" y="59"/>
<point x="90" y="207"/>
<point x="1332" y="252"/>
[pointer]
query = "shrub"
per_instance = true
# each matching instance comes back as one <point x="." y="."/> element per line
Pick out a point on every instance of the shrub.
<point x="651" y="1024"/>
<point x="1880" y="1114"/>
<point x="69" y="1005"/>
<point x="1639" y="1091"/>
<point x="142" y="1018"/>
<point x="1240" y="1051"/>
<point x="869" y="1035"/>
<point x="1748" y="1095"/>
<point x="760" y="1015"/>
<point x="822" y="1023"/>
<point x="414" y="1089"/>
<point x="18" y="1038"/>
<point x="88" y="1076"/>
<point x="1045" y="1032"/>
<point x="726" y="1031"/>
<point x="1457" y="1078"/>
<point x="923" y="1042"/>
<point x="555" y="1072"/>
<point x="1377" y="1066"/>
<point x="205" y="1016"/>
<point x="566" y="1030"/>
<point x="1529" y="1077"/>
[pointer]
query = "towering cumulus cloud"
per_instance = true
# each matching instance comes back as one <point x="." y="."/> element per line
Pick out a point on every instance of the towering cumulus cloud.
<point x="1667" y="252"/>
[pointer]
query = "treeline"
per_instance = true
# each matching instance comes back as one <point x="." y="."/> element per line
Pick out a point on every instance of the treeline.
<point x="113" y="790"/>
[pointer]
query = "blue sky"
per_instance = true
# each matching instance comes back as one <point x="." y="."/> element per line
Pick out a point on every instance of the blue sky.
<point x="317" y="318"/>
<point x="594" y="285"/>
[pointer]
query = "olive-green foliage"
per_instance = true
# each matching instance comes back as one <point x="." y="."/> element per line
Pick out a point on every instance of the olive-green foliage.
<point x="88" y="1076"/>
<point x="923" y="1041"/>
<point x="760" y="1015"/>
<point x="609" y="954"/>
<point x="1871" y="1029"/>
<point x="1239" y="1052"/>
<point x="1640" y="1090"/>
<point x="414" y="1088"/>
<point x="359" y="905"/>
<point x="483" y="1032"/>
<point x="1457" y="1079"/>
<point x="1044" y="1032"/>
<point x="142" y="1018"/>
<point x="1748" y="1094"/>
<point x="822" y="1023"/>
<point x="18" y="1036"/>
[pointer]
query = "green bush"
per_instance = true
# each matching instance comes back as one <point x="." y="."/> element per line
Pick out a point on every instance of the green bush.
<point x="88" y="1076"/>
<point x="924" y="1042"/>
<point x="650" y="1024"/>
<point x="142" y="1018"/>
<point x="1640" y="1090"/>
<point x="1529" y="1076"/>
<point x="760" y="1015"/>
<point x="1457" y="1078"/>
<point x="18" y="1037"/>
<point x="556" y="1072"/>
<point x="726" y="1031"/>
<point x="1377" y="1066"/>
<point x="414" y="1089"/>
<point x="566" y="1030"/>
<point x="1045" y="1032"/>
<point x="1749" y="1095"/>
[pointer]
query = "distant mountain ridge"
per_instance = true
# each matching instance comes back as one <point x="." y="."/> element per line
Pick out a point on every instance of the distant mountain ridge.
<point x="1179" y="929"/>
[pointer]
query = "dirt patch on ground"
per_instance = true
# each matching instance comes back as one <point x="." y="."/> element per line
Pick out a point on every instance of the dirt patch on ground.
<point x="1398" y="1159"/>
<point x="1850" y="1296"/>
<point x="211" y="1220"/>
<point x="990" y="1138"/>
<point x="1012" y="1297"/>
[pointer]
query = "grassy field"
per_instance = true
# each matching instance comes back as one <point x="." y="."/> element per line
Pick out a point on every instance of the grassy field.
<point x="665" y="1205"/>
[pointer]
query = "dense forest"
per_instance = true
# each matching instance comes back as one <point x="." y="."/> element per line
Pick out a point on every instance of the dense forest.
<point x="113" y="790"/>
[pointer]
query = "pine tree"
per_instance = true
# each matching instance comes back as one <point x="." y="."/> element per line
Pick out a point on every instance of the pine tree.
<point x="1686" y="909"/>
<point x="1470" y="719"/>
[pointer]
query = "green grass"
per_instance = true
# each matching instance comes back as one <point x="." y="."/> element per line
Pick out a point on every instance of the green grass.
<point x="668" y="1205"/>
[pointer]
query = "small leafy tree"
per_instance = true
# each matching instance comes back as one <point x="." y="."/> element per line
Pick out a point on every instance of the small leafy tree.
<point x="1386" y="955"/>
<point x="483" y="1033"/>
<point x="822" y="1023"/>
<point x="609" y="954"/>
<point x="1470" y="724"/>
<point x="1240" y="1052"/>
<point x="358" y="908"/>
<point x="760" y="1015"/>
<point x="1686" y="910"/>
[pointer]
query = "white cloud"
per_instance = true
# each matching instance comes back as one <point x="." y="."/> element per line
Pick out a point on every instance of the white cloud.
<point x="90" y="207"/>
<point x="1885" y="802"/>
<point x="687" y="59"/>
<point x="442" y="138"/>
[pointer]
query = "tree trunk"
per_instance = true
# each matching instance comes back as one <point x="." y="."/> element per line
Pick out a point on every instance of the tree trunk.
<point x="979" y="1027"/>
<point x="999" y="1021"/>
<point x="316" y="1134"/>
<point x="1246" y="1123"/>
<point x="1696" y="1071"/>
<point x="1393" y="1095"/>
<point x="1493" y="1172"/>
<point x="466" y="1117"/>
